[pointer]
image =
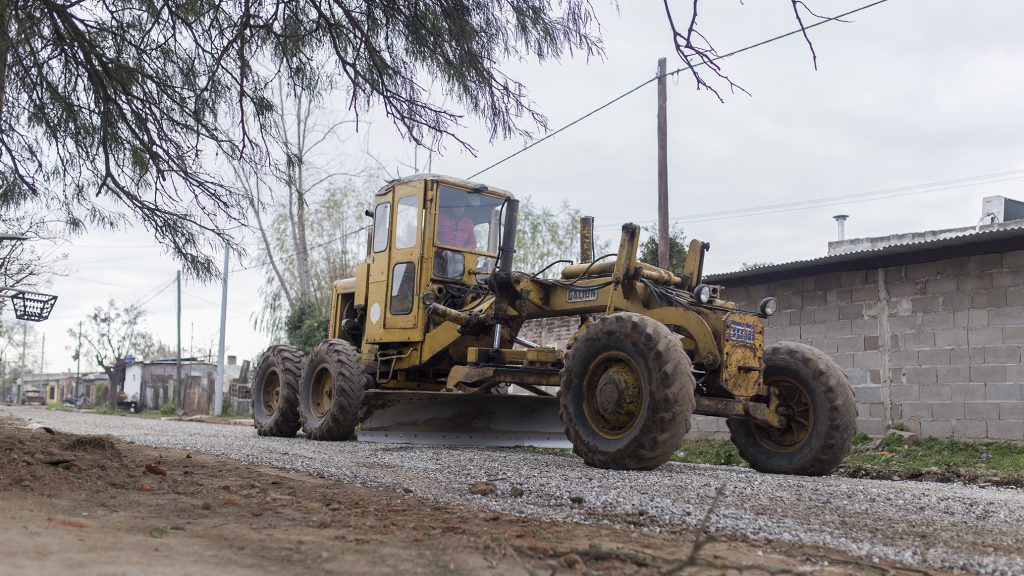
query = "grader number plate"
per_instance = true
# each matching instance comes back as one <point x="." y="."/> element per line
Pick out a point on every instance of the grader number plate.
<point x="740" y="332"/>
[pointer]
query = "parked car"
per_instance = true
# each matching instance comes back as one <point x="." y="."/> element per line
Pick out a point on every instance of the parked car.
<point x="32" y="396"/>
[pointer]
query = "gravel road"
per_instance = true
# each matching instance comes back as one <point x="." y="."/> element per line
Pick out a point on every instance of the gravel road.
<point x="920" y="524"/>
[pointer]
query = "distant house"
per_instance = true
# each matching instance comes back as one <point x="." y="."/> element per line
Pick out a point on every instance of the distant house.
<point x="928" y="326"/>
<point x="57" y="386"/>
<point x="152" y="383"/>
<point x="90" y="384"/>
<point x="54" y="387"/>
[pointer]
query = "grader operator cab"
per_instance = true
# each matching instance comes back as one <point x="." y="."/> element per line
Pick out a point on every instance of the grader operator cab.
<point x="424" y="346"/>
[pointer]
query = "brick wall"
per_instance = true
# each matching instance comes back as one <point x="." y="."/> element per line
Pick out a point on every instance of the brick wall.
<point x="551" y="332"/>
<point x="935" y="345"/>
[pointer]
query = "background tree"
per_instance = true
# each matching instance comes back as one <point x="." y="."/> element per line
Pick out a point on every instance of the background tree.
<point x="698" y="54"/>
<point x="19" y="352"/>
<point x="335" y="240"/>
<point x="753" y="265"/>
<point x="26" y="264"/>
<point x="676" y="248"/>
<point x="112" y="111"/>
<point x="112" y="332"/>
<point x="302" y="147"/>
<point x="545" y="236"/>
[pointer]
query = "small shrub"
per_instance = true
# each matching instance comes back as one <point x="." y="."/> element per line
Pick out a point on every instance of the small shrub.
<point x="718" y="452"/>
<point x="725" y="453"/>
<point x="893" y="442"/>
<point x="861" y="438"/>
<point x="898" y="426"/>
<point x="168" y="409"/>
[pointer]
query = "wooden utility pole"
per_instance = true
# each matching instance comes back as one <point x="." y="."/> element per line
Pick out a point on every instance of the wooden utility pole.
<point x="663" y="241"/>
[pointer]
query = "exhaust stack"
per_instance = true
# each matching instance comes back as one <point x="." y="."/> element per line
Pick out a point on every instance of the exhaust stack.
<point x="841" y="221"/>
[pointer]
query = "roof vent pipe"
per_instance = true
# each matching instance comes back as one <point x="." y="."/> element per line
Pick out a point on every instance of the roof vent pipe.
<point x="841" y="221"/>
<point x="991" y="216"/>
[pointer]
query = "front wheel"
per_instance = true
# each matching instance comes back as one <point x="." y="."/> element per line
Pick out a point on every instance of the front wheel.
<point x="626" y="393"/>
<point x="812" y="393"/>
<point x="331" y="392"/>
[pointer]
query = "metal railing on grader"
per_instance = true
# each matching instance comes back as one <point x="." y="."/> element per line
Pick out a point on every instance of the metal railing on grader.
<point x="422" y="348"/>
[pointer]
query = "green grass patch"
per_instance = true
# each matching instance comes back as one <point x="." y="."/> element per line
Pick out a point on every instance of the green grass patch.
<point x="938" y="459"/>
<point x="148" y="414"/>
<point x="890" y="458"/>
<point x="162" y="413"/>
<point x="718" y="452"/>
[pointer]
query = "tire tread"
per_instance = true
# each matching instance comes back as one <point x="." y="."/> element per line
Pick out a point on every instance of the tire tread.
<point x="664" y="430"/>
<point x="839" y="424"/>
<point x="284" y="422"/>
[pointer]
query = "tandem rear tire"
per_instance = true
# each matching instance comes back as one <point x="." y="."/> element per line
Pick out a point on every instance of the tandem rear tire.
<point x="626" y="393"/>
<point x="331" y="391"/>
<point x="275" y="410"/>
<point x="815" y="397"/>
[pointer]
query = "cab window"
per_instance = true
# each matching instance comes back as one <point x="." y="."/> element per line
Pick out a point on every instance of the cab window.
<point x="468" y="220"/>
<point x="403" y="278"/>
<point x="381" y="226"/>
<point x="407" y="222"/>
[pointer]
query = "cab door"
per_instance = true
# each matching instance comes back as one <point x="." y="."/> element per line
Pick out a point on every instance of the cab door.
<point x="379" y="265"/>
<point x="403" y="289"/>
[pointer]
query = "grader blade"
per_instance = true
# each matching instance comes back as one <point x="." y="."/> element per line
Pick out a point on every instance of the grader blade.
<point x="454" y="419"/>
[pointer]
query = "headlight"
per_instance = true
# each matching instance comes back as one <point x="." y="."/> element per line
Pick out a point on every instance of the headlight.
<point x="702" y="293"/>
<point x="769" y="306"/>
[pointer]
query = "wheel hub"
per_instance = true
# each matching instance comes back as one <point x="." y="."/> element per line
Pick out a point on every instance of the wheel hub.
<point x="792" y="403"/>
<point x="271" y="396"/>
<point x="615" y="399"/>
<point x="320" y="394"/>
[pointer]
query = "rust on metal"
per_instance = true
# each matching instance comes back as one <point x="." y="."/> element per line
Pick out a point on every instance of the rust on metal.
<point x="732" y="408"/>
<point x="586" y="239"/>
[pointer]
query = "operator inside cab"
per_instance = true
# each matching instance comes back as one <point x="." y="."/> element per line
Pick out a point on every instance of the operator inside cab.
<point x="466" y="222"/>
<point x="454" y="227"/>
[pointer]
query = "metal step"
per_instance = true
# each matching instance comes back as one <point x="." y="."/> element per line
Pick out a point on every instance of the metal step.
<point x="457" y="419"/>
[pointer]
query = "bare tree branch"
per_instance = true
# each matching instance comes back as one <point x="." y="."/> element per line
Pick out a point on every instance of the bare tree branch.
<point x="696" y="51"/>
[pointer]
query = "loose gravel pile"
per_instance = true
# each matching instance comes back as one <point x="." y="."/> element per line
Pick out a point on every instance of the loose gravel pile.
<point x="921" y="524"/>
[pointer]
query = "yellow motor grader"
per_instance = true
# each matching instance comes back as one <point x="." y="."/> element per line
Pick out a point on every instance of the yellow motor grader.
<point x="424" y="347"/>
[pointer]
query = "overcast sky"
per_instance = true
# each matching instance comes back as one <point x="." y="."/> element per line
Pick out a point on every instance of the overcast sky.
<point x="906" y="95"/>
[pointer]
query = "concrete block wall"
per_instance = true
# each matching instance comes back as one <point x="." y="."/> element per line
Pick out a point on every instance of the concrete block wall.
<point x="936" y="345"/>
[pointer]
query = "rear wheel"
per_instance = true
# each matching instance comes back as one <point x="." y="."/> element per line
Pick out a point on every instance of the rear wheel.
<point x="626" y="393"/>
<point x="813" y="394"/>
<point x="275" y="409"/>
<point x="331" y="392"/>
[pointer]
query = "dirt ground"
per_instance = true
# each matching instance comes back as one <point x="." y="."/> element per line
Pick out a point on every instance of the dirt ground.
<point x="93" y="505"/>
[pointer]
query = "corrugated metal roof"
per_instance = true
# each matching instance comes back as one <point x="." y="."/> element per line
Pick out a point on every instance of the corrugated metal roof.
<point x="993" y="233"/>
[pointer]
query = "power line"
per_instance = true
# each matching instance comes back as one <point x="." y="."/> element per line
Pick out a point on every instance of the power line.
<point x="672" y="73"/>
<point x="857" y="197"/>
<point x="159" y="292"/>
<point x="122" y="286"/>
<point x="294" y="254"/>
